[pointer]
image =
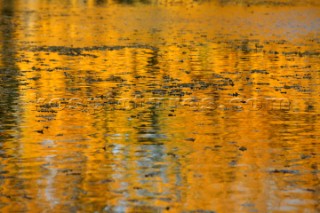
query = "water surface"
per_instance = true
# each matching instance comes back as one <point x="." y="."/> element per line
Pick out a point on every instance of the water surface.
<point x="159" y="106"/>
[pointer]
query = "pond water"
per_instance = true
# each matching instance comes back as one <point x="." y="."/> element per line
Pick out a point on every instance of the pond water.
<point x="159" y="106"/>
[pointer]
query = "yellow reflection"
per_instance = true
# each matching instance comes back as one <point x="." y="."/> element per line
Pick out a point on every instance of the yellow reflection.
<point x="152" y="106"/>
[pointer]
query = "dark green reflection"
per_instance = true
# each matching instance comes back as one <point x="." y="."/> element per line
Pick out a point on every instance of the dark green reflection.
<point x="8" y="70"/>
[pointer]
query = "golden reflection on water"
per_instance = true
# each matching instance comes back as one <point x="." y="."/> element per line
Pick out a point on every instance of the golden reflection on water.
<point x="159" y="106"/>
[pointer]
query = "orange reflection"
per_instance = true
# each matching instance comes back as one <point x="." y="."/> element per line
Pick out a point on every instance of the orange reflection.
<point x="154" y="106"/>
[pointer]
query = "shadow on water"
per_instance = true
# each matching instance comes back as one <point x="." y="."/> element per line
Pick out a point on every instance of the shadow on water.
<point x="9" y="93"/>
<point x="131" y="1"/>
<point x="8" y="68"/>
<point x="100" y="2"/>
